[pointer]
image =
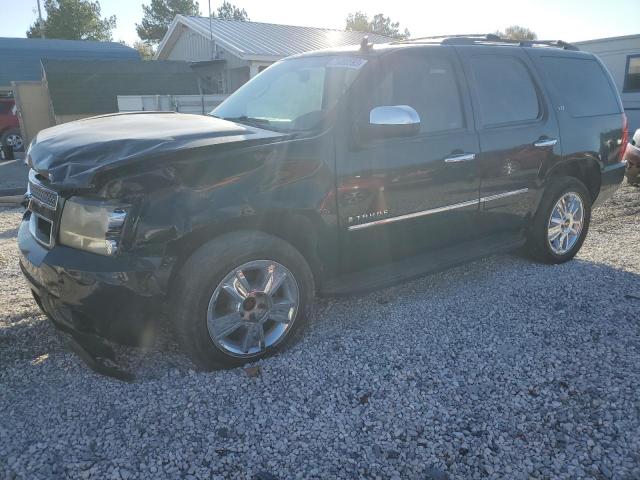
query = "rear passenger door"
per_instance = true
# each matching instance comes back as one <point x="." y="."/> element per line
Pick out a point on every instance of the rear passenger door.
<point x="517" y="129"/>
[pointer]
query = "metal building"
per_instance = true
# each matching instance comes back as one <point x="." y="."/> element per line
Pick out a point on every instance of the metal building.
<point x="621" y="55"/>
<point x="227" y="53"/>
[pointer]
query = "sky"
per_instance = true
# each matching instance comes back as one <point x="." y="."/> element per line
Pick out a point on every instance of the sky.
<point x="569" y="20"/>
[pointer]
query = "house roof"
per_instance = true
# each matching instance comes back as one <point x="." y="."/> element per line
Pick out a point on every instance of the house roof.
<point x="263" y="41"/>
<point x="608" y="39"/>
<point x="20" y="57"/>
<point x="79" y="87"/>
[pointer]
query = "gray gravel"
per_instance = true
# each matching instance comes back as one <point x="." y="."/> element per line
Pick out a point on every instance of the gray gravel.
<point x="13" y="174"/>
<point x="502" y="368"/>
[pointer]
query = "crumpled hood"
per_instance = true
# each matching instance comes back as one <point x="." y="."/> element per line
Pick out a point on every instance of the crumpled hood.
<point x="71" y="154"/>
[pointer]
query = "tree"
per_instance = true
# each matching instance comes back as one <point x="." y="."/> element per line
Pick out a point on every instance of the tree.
<point x="159" y="14"/>
<point x="227" y="11"/>
<point x="516" y="32"/>
<point x="145" y="50"/>
<point x="73" y="20"/>
<point x="380" y="24"/>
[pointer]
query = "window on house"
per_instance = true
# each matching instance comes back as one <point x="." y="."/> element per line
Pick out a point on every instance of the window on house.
<point x="632" y="77"/>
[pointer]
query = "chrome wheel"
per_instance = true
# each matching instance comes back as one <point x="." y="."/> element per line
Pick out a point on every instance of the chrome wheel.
<point x="253" y="308"/>
<point x="15" y="141"/>
<point x="565" y="223"/>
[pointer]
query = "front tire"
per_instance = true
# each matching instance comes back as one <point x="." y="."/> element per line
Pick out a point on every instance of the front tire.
<point x="241" y="297"/>
<point x="561" y="222"/>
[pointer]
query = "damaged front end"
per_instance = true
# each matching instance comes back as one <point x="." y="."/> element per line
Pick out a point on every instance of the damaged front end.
<point x="103" y="202"/>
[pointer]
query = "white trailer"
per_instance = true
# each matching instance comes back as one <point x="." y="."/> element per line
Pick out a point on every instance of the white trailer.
<point x="621" y="55"/>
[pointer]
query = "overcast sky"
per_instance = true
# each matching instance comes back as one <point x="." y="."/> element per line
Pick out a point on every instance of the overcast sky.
<point x="569" y="20"/>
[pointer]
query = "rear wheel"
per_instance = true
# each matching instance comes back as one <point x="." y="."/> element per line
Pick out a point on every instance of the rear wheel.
<point x="13" y="138"/>
<point x="240" y="297"/>
<point x="562" y="221"/>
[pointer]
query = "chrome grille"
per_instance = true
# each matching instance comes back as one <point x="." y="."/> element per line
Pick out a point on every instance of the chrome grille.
<point x="47" y="198"/>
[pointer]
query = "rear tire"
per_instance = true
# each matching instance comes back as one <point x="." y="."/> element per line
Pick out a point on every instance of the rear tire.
<point x="13" y="137"/>
<point x="239" y="298"/>
<point x="561" y="222"/>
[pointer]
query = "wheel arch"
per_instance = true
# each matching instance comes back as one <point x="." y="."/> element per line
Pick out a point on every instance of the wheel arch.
<point x="585" y="169"/>
<point x="297" y="229"/>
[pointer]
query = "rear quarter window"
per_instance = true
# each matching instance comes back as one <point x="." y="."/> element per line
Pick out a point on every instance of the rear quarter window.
<point x="582" y="85"/>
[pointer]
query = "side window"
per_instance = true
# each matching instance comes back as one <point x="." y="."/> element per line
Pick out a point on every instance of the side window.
<point x="506" y="92"/>
<point x="428" y="84"/>
<point x="632" y="76"/>
<point x="582" y="85"/>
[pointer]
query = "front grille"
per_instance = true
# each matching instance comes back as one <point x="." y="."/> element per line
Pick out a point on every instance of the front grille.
<point x="43" y="204"/>
<point x="47" y="198"/>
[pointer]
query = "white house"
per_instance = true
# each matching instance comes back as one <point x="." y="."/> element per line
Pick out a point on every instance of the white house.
<point x="227" y="53"/>
<point x="621" y="55"/>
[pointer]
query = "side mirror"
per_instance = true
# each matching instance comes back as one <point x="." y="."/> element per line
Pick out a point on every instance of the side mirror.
<point x="393" y="121"/>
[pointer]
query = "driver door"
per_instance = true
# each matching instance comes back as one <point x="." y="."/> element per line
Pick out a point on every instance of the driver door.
<point x="398" y="196"/>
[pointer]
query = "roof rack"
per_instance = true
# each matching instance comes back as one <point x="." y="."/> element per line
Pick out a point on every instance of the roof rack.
<point x="483" y="39"/>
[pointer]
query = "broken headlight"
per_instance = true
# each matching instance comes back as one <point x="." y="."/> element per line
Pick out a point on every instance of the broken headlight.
<point x="91" y="225"/>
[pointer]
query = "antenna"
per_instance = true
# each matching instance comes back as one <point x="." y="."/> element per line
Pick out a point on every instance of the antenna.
<point x="40" y="24"/>
<point x="213" y="48"/>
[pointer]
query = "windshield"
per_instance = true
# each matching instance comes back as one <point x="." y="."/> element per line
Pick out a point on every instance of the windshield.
<point x="294" y="94"/>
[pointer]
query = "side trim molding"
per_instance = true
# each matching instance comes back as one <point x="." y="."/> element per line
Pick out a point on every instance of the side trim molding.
<point x="503" y="195"/>
<point x="423" y="213"/>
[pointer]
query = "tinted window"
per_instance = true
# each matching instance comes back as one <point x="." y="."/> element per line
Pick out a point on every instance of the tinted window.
<point x="505" y="90"/>
<point x="582" y="85"/>
<point x="293" y="94"/>
<point x="632" y="80"/>
<point x="428" y="84"/>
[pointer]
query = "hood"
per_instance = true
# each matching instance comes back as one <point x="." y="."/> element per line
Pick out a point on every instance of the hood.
<point x="71" y="154"/>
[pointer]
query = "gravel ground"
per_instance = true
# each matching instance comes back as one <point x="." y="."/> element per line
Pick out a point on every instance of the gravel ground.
<point x="498" y="369"/>
<point x="13" y="174"/>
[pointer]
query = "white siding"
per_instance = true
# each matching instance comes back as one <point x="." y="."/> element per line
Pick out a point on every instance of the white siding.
<point x="614" y="52"/>
<point x="198" y="104"/>
<point x="191" y="47"/>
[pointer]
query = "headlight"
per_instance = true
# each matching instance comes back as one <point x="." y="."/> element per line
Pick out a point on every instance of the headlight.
<point x="91" y="225"/>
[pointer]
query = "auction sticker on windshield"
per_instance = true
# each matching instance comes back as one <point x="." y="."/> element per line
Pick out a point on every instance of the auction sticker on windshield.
<point x="347" y="62"/>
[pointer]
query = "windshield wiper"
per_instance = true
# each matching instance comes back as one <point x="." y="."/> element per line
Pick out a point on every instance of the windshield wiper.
<point x="248" y="120"/>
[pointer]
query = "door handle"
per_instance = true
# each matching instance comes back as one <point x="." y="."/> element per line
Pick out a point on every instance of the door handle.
<point x="462" y="157"/>
<point x="545" y="142"/>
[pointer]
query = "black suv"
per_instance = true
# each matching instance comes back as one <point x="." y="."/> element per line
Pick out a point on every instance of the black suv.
<point x="329" y="172"/>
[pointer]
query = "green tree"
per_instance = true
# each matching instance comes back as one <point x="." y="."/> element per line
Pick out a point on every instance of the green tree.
<point x="159" y="14"/>
<point x="380" y="24"/>
<point x="73" y="20"/>
<point x="227" y="11"/>
<point x="145" y="50"/>
<point x="516" y="32"/>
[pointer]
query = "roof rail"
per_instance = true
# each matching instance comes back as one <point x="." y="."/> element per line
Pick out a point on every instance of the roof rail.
<point x="483" y="39"/>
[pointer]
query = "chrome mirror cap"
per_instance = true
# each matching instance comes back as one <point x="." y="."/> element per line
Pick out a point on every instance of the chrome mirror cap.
<point x="394" y="115"/>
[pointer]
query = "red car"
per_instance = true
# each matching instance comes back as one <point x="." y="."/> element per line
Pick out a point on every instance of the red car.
<point x="9" y="125"/>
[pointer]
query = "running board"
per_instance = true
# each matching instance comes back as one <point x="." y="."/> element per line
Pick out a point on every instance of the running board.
<point x="417" y="266"/>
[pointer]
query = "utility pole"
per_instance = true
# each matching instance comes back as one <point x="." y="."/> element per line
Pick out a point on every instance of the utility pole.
<point x="40" y="21"/>
<point x="213" y="50"/>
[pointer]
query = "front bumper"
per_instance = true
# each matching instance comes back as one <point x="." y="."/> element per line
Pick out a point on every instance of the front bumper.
<point x="118" y="298"/>
<point x="611" y="178"/>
